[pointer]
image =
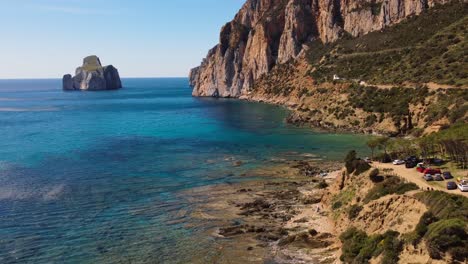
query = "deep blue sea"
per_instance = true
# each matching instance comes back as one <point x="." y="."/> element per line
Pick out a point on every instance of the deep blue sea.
<point x="94" y="177"/>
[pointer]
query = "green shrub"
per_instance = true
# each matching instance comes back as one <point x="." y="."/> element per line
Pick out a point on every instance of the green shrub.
<point x="354" y="211"/>
<point x="358" y="247"/>
<point x="447" y="236"/>
<point x="391" y="246"/>
<point x="322" y="185"/>
<point x="421" y="228"/>
<point x="444" y="226"/>
<point x="350" y="157"/>
<point x="375" y="177"/>
<point x="391" y="185"/>
<point x="337" y="205"/>
<point x="353" y="164"/>
<point x="354" y="241"/>
<point x="444" y="205"/>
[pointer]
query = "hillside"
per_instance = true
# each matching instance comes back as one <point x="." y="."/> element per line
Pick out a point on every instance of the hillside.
<point x="380" y="218"/>
<point x="265" y="34"/>
<point x="369" y="68"/>
<point x="409" y="52"/>
<point x="406" y="79"/>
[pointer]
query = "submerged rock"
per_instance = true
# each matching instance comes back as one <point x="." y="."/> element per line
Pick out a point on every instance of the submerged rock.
<point x="92" y="76"/>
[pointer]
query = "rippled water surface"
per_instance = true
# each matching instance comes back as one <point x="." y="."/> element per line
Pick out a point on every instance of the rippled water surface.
<point x="95" y="177"/>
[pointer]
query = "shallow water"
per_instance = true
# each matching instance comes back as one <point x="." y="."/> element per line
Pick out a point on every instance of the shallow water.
<point x="94" y="177"/>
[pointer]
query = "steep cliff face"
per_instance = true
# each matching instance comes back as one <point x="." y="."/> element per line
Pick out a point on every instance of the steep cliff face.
<point x="266" y="33"/>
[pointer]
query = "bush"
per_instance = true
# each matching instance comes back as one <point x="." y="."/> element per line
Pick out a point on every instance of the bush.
<point x="354" y="241"/>
<point x="391" y="185"/>
<point x="421" y="228"/>
<point x="361" y="166"/>
<point x="322" y="185"/>
<point x="384" y="158"/>
<point x="444" y="227"/>
<point x="358" y="247"/>
<point x="375" y="177"/>
<point x="349" y="159"/>
<point x="391" y="247"/>
<point x="353" y="164"/>
<point x="337" y="205"/>
<point x="444" y="205"/>
<point x="447" y="235"/>
<point x="354" y="211"/>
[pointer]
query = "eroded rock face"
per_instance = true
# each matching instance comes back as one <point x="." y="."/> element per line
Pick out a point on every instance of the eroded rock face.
<point x="269" y="32"/>
<point x="93" y="77"/>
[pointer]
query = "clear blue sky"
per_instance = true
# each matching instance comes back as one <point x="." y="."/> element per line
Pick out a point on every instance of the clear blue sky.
<point x="142" y="38"/>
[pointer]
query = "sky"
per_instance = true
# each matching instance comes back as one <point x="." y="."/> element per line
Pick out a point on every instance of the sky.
<point x="142" y="38"/>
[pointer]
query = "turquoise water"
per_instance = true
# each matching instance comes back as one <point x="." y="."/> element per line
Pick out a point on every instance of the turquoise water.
<point x="94" y="177"/>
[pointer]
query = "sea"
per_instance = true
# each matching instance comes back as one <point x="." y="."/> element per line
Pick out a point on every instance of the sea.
<point x="99" y="177"/>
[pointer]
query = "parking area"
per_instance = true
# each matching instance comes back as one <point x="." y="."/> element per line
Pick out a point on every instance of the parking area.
<point x="416" y="177"/>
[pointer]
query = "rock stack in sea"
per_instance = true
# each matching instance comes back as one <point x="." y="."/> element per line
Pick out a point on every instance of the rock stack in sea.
<point x="92" y="76"/>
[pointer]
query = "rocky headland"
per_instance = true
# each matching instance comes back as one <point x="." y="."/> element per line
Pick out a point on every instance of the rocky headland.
<point x="267" y="33"/>
<point x="336" y="63"/>
<point x="92" y="76"/>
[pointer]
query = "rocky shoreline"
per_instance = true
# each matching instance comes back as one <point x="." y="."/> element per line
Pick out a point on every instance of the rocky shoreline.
<point x="280" y="219"/>
<point x="297" y="119"/>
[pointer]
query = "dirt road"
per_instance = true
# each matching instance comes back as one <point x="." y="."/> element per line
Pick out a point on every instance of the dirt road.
<point x="414" y="176"/>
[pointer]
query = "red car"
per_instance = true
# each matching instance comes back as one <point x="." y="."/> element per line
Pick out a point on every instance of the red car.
<point x="432" y="171"/>
<point x="421" y="169"/>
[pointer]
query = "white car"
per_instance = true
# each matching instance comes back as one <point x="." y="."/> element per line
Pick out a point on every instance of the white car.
<point x="463" y="186"/>
<point x="398" y="162"/>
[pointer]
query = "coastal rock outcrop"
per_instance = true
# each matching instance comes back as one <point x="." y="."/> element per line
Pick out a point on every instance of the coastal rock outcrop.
<point x="92" y="76"/>
<point x="265" y="33"/>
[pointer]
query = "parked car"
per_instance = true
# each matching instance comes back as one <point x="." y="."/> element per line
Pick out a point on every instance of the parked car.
<point x="413" y="159"/>
<point x="368" y="160"/>
<point x="438" y="177"/>
<point x="436" y="161"/>
<point x="451" y="185"/>
<point x="463" y="186"/>
<point x="420" y="167"/>
<point x="410" y="164"/>
<point x="447" y="175"/>
<point x="428" y="177"/>
<point x="432" y="171"/>
<point x="398" y="162"/>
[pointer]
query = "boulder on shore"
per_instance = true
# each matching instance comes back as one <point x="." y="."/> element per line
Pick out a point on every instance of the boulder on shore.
<point x="92" y="76"/>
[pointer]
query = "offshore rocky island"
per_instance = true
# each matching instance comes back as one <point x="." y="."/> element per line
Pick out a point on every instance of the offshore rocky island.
<point x="394" y="68"/>
<point x="92" y="76"/>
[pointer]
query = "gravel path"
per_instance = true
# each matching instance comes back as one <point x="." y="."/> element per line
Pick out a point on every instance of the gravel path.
<point x="414" y="176"/>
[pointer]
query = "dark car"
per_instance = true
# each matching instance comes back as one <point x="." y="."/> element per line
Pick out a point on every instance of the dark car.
<point x="428" y="177"/>
<point x="410" y="164"/>
<point x="451" y="185"/>
<point x="437" y="162"/>
<point x="413" y="159"/>
<point x="447" y="175"/>
<point x="438" y="177"/>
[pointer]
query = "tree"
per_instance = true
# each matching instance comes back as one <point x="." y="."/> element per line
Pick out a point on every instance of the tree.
<point x="383" y="143"/>
<point x="350" y="158"/>
<point x="373" y="143"/>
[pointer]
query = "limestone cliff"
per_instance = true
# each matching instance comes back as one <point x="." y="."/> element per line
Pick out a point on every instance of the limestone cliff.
<point x="92" y="76"/>
<point x="266" y="33"/>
